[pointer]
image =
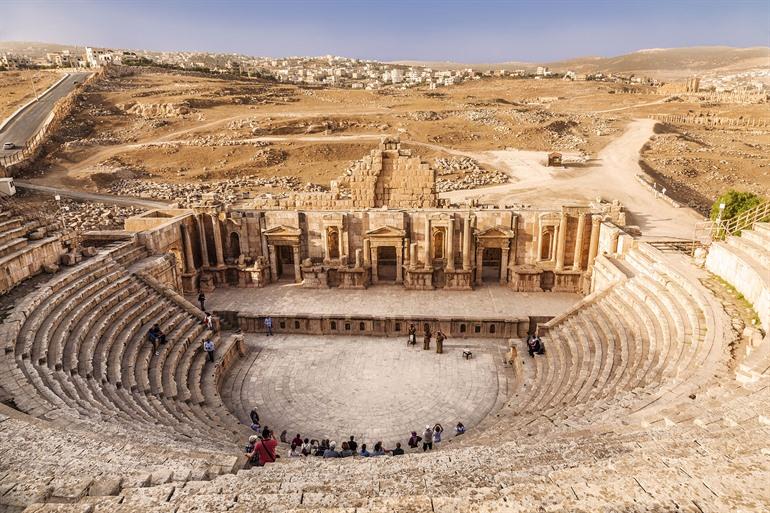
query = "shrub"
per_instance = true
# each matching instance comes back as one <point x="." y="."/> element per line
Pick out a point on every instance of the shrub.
<point x="736" y="202"/>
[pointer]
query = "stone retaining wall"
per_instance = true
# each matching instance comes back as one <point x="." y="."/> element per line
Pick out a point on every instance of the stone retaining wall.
<point x="381" y="326"/>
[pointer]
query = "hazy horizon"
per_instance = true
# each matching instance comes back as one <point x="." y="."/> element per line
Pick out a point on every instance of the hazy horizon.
<point x="464" y="32"/>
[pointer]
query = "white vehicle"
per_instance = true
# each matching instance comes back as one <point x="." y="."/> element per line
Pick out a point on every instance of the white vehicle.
<point x="8" y="146"/>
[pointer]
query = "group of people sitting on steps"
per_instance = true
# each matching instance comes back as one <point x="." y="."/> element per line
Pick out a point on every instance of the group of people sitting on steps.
<point x="261" y="448"/>
<point x="427" y="335"/>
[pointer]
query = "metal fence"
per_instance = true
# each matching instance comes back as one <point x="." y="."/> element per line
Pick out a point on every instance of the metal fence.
<point x="29" y="147"/>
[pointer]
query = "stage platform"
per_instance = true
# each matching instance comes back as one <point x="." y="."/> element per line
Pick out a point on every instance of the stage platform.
<point x="388" y="301"/>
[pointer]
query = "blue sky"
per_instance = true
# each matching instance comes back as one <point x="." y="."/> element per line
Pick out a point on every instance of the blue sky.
<point x="461" y="31"/>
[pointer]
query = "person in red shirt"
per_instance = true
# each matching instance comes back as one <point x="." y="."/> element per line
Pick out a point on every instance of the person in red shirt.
<point x="265" y="450"/>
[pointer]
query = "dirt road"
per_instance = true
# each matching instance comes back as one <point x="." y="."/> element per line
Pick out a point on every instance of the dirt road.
<point x="611" y="176"/>
<point x="88" y="196"/>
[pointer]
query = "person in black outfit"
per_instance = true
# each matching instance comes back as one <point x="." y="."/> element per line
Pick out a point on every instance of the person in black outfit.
<point x="352" y="444"/>
<point x="535" y="346"/>
<point x="398" y="451"/>
<point x="202" y="300"/>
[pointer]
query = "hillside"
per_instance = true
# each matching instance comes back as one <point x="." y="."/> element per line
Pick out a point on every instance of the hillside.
<point x="36" y="49"/>
<point x="673" y="62"/>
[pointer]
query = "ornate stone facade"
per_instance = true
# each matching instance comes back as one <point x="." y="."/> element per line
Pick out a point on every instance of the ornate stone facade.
<point x="423" y="249"/>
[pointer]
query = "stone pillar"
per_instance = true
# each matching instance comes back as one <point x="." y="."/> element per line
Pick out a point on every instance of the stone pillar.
<point x="577" y="260"/>
<point x="374" y="260"/>
<point x="596" y="222"/>
<point x="189" y="266"/>
<point x="479" y="264"/>
<point x="400" y="263"/>
<point x="467" y="243"/>
<point x="562" y="242"/>
<point x="504" y="264"/>
<point x="204" y="245"/>
<point x="340" y="243"/>
<point x="407" y="253"/>
<point x="297" y="264"/>
<point x="450" y="243"/>
<point x="359" y="258"/>
<point x="325" y="242"/>
<point x="413" y="255"/>
<point x="367" y="252"/>
<point x="273" y="261"/>
<point x="426" y="256"/>
<point x="217" y="240"/>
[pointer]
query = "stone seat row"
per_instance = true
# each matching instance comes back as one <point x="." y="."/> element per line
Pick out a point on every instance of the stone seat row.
<point x="652" y="329"/>
<point x="687" y="466"/>
<point x="46" y="462"/>
<point x="82" y="349"/>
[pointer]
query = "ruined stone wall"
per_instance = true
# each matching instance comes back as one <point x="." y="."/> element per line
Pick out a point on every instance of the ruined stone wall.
<point x="29" y="263"/>
<point x="388" y="176"/>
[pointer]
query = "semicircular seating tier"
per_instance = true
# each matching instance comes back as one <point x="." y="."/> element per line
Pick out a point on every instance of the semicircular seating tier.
<point x="632" y="407"/>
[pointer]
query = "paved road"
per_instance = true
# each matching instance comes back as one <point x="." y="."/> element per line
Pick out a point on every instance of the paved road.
<point x="26" y="124"/>
<point x="88" y="196"/>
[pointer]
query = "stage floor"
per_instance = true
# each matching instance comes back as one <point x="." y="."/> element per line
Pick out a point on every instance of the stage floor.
<point x="374" y="388"/>
<point x="391" y="300"/>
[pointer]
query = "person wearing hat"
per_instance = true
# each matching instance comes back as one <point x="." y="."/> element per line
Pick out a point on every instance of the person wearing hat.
<point x="427" y="439"/>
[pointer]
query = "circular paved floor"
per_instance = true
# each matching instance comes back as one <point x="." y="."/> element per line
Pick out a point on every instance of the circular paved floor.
<point x="373" y="388"/>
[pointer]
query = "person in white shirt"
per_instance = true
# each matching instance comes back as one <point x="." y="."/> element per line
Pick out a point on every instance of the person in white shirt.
<point x="208" y="346"/>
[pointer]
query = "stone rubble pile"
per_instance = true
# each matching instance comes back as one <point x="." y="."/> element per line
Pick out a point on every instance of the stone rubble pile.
<point x="230" y="190"/>
<point x="471" y="175"/>
<point x="85" y="216"/>
<point x="426" y="115"/>
<point x="156" y="110"/>
<point x="487" y="117"/>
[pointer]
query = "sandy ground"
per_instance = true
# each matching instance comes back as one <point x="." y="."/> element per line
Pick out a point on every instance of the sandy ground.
<point x="16" y="88"/>
<point x="612" y="175"/>
<point x="179" y="128"/>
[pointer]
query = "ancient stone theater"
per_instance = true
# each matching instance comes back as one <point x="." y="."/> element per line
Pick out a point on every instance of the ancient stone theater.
<point x="547" y="359"/>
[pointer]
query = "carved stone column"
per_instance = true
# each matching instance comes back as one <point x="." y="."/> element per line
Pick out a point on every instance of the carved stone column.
<point x="367" y="252"/>
<point x="400" y="263"/>
<point x="273" y="257"/>
<point x="450" y="242"/>
<point x="562" y="242"/>
<point x="479" y="264"/>
<point x="325" y="243"/>
<point x="217" y="240"/>
<point x="577" y="260"/>
<point x="297" y="264"/>
<point x="467" y="243"/>
<point x="426" y="257"/>
<point x="375" y="274"/>
<point x="596" y="222"/>
<point x="504" y="265"/>
<point x="204" y="245"/>
<point x="413" y="255"/>
<point x="189" y="260"/>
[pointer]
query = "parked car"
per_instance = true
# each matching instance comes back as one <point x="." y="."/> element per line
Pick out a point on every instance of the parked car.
<point x="8" y="146"/>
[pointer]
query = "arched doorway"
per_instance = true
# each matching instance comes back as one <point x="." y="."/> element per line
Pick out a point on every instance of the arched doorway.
<point x="333" y="242"/>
